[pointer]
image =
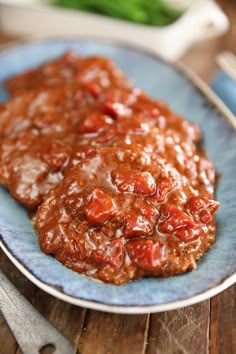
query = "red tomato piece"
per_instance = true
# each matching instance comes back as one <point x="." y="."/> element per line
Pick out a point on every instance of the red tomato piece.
<point x="94" y="122"/>
<point x="137" y="225"/>
<point x="177" y="222"/>
<point x="163" y="188"/>
<point x="134" y="182"/>
<point x="202" y="208"/>
<point x="189" y="233"/>
<point x="100" y="207"/>
<point x="147" y="254"/>
<point x="93" y="88"/>
<point x="116" y="102"/>
<point x="173" y="219"/>
<point x="111" y="253"/>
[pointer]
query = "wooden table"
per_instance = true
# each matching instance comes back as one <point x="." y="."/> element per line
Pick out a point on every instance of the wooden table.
<point x="207" y="327"/>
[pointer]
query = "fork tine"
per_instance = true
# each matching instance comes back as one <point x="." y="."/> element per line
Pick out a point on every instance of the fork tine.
<point x="232" y="59"/>
<point x="227" y="61"/>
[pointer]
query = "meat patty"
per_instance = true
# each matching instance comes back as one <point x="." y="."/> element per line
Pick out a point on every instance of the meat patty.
<point x="121" y="214"/>
<point x="42" y="128"/>
<point x="96" y="72"/>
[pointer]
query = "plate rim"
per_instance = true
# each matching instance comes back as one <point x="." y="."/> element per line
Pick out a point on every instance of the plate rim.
<point x="119" y="309"/>
<point x="217" y="104"/>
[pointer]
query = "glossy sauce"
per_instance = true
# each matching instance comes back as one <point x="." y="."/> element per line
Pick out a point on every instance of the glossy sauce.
<point x="123" y="189"/>
<point x="122" y="213"/>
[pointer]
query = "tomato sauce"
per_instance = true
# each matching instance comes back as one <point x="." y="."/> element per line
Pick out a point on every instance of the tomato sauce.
<point x="122" y="189"/>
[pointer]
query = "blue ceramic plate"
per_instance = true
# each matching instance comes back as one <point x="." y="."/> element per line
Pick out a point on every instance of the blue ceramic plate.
<point x="190" y="98"/>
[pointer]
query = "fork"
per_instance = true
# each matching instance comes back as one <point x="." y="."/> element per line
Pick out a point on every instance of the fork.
<point x="227" y="62"/>
<point x="31" y="330"/>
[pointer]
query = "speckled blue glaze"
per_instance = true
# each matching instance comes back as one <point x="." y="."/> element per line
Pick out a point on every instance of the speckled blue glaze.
<point x="160" y="80"/>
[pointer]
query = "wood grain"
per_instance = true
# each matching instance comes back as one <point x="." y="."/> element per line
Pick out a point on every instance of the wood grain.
<point x="201" y="59"/>
<point x="106" y="333"/>
<point x="205" y="328"/>
<point x="223" y="322"/>
<point x="183" y="331"/>
<point x="67" y="318"/>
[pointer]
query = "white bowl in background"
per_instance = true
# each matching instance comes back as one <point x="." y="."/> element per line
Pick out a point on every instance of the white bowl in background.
<point x="204" y="19"/>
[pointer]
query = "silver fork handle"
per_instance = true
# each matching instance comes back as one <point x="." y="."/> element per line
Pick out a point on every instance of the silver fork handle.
<point x="31" y="330"/>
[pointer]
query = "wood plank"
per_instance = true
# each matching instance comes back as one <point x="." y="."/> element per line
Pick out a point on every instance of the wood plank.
<point x="106" y="333"/>
<point x="21" y="282"/>
<point x="8" y="343"/>
<point x="67" y="318"/>
<point x="201" y="58"/>
<point x="223" y="322"/>
<point x="183" y="331"/>
<point x="126" y="334"/>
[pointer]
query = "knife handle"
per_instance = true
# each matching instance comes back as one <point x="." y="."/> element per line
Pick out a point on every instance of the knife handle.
<point x="31" y="330"/>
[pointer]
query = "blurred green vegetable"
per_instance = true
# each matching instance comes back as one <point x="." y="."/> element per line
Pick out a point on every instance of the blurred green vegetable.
<point x="149" y="12"/>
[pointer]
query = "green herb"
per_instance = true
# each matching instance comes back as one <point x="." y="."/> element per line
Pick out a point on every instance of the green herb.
<point x="149" y="12"/>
